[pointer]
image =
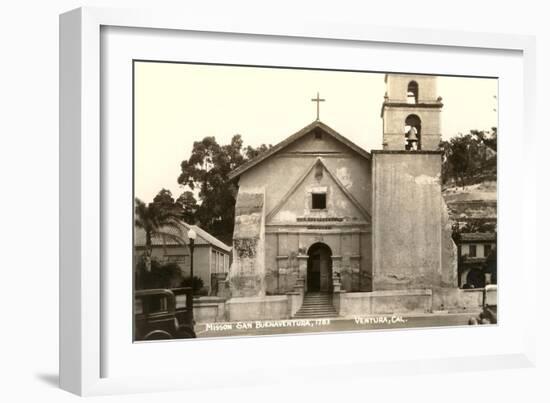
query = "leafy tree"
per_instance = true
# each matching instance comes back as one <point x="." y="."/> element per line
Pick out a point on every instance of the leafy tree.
<point x="469" y="156"/>
<point x="489" y="139"/>
<point x="460" y="156"/>
<point x="488" y="148"/>
<point x="188" y="205"/>
<point x="252" y="152"/>
<point x="154" y="219"/>
<point x="164" y="199"/>
<point x="207" y="171"/>
<point x="185" y="207"/>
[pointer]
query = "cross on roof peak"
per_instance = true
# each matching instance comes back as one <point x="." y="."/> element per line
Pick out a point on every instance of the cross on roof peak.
<point x="318" y="100"/>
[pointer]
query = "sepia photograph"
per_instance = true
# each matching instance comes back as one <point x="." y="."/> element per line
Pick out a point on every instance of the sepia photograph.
<point x="272" y="200"/>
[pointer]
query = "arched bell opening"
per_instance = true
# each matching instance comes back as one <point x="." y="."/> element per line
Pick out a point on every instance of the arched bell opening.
<point x="413" y="133"/>
<point x="412" y="93"/>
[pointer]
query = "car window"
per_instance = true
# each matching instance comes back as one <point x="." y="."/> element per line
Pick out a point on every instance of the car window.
<point x="181" y="301"/>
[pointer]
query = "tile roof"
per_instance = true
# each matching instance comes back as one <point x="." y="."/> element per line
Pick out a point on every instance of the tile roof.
<point x="203" y="237"/>
<point x="478" y="237"/>
<point x="208" y="238"/>
<point x="467" y="260"/>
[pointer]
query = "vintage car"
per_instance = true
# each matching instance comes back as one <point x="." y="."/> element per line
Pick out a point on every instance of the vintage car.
<point x="163" y="314"/>
<point x="489" y="312"/>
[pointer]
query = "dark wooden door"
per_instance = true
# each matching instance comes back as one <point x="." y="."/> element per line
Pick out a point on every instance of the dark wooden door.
<point x="325" y="272"/>
<point x="314" y="273"/>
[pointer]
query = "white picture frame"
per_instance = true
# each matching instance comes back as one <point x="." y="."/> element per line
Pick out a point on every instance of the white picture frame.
<point x="82" y="173"/>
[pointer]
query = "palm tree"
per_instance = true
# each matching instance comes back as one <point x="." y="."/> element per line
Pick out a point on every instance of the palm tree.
<point x="155" y="220"/>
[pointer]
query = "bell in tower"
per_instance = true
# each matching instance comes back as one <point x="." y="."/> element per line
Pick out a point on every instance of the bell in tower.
<point x="412" y="139"/>
<point x="411" y="113"/>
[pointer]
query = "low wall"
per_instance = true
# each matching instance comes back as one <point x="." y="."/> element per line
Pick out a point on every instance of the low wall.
<point x="410" y="301"/>
<point x="215" y="309"/>
<point x="472" y="299"/>
<point x="255" y="308"/>
<point x="209" y="309"/>
<point x="491" y="295"/>
<point x="458" y="300"/>
<point x="295" y="301"/>
<point x="385" y="302"/>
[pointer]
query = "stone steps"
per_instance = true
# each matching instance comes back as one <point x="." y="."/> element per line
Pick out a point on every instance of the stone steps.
<point x="316" y="306"/>
<point x="306" y="315"/>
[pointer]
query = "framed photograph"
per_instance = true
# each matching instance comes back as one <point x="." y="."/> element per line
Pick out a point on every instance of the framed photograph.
<point x="316" y="197"/>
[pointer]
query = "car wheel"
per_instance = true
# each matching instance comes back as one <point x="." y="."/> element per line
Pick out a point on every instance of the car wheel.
<point x="158" y="335"/>
<point x="186" y="333"/>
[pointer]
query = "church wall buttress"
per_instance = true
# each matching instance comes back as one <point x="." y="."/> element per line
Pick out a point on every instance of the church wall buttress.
<point x="247" y="276"/>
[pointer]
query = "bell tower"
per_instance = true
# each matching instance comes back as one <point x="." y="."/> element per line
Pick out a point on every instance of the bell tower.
<point x="411" y="113"/>
<point x="411" y="231"/>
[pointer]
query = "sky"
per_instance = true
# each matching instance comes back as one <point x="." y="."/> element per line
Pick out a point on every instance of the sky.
<point x="177" y="104"/>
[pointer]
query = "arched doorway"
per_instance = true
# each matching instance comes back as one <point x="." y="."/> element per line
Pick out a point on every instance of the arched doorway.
<point x="475" y="278"/>
<point x="319" y="268"/>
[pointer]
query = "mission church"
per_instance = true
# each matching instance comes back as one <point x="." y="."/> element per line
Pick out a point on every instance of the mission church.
<point x="317" y="216"/>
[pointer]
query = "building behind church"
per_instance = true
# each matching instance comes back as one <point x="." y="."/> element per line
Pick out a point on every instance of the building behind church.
<point x="211" y="256"/>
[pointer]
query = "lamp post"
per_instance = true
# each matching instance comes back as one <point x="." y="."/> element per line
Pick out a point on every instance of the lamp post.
<point x="191" y="235"/>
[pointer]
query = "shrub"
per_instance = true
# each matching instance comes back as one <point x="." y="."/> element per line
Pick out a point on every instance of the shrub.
<point x="162" y="275"/>
<point x="198" y="284"/>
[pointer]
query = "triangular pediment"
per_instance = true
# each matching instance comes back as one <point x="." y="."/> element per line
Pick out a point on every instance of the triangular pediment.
<point x="297" y="206"/>
<point x="332" y="142"/>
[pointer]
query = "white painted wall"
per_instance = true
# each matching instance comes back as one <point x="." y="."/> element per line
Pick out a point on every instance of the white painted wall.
<point x="480" y="249"/>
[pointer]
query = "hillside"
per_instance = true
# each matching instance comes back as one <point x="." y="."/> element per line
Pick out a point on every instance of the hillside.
<point x="469" y="176"/>
<point x="473" y="203"/>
